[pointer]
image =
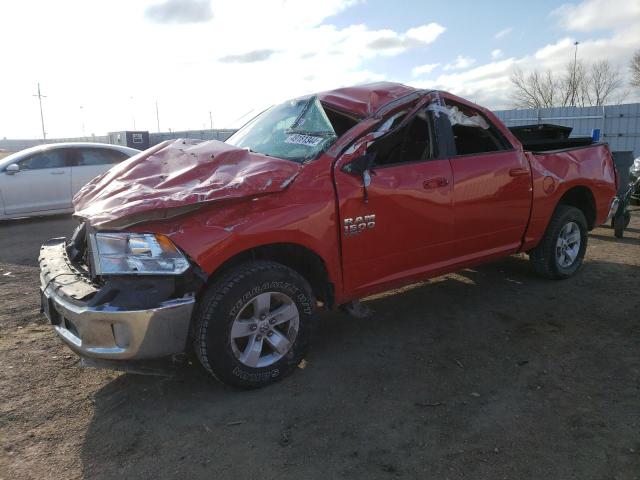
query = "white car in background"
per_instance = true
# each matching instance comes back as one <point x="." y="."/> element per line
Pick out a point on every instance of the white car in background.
<point x="42" y="180"/>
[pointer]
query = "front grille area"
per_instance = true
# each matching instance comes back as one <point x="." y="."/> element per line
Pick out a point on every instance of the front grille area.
<point x="77" y="250"/>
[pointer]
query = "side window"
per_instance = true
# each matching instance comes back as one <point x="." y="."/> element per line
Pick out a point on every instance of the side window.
<point x="411" y="142"/>
<point x="472" y="133"/>
<point x="42" y="160"/>
<point x="99" y="156"/>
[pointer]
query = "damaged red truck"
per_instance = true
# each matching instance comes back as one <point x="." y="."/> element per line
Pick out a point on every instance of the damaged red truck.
<point x="229" y="248"/>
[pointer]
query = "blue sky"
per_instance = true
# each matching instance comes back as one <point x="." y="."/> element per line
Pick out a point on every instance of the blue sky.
<point x="471" y="29"/>
<point x="103" y="68"/>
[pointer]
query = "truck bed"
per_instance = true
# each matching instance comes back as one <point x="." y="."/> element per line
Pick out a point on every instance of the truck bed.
<point x="547" y="137"/>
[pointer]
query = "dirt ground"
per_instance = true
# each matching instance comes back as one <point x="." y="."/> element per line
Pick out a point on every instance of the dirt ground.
<point x="491" y="373"/>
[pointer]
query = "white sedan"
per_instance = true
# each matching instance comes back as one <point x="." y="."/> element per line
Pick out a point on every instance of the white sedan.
<point x="42" y="180"/>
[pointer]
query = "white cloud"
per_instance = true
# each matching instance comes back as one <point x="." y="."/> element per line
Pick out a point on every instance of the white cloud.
<point x="389" y="42"/>
<point x="425" y="33"/>
<point x="422" y="69"/>
<point x="483" y="84"/>
<point x="489" y="84"/>
<point x="180" y="11"/>
<point x="230" y="63"/>
<point x="592" y="15"/>
<point x="461" y="62"/>
<point x="503" y="33"/>
<point x="552" y="50"/>
<point x="497" y="54"/>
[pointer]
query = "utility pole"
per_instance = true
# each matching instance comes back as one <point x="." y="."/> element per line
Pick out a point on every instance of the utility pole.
<point x="210" y="120"/>
<point x="157" y="116"/>
<point x="82" y="119"/>
<point x="574" y="83"/>
<point x="133" y="113"/>
<point x="40" y="97"/>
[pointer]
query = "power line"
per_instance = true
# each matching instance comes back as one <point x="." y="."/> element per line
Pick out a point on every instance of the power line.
<point x="40" y="97"/>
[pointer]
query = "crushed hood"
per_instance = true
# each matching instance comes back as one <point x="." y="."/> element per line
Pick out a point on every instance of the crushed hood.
<point x="177" y="176"/>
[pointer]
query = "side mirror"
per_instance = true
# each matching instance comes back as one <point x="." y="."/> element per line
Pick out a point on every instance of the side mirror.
<point x="360" y="165"/>
<point x="12" y="168"/>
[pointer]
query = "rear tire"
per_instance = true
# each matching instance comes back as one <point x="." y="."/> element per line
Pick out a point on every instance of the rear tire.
<point x="561" y="251"/>
<point x="253" y="326"/>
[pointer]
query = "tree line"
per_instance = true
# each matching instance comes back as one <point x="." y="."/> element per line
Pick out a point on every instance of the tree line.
<point x="578" y="84"/>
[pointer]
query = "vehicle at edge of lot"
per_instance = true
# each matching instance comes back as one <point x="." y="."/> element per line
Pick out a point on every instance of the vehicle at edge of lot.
<point x="622" y="217"/>
<point x="634" y="175"/>
<point x="231" y="247"/>
<point x="42" y="180"/>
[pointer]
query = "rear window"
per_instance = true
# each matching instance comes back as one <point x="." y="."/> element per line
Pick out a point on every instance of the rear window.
<point x="473" y="133"/>
<point x="99" y="156"/>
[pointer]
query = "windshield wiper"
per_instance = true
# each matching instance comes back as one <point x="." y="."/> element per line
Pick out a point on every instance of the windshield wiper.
<point x="326" y="133"/>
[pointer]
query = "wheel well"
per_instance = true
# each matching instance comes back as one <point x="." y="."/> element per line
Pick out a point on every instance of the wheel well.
<point x="298" y="258"/>
<point x="582" y="199"/>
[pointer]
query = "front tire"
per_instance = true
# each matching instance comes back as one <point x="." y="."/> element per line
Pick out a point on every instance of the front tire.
<point x="561" y="251"/>
<point x="253" y="326"/>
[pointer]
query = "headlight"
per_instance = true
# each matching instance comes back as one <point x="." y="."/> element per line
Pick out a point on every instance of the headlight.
<point x="635" y="168"/>
<point x="136" y="253"/>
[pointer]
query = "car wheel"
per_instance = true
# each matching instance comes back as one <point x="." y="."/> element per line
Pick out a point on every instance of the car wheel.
<point x="254" y="325"/>
<point x="561" y="251"/>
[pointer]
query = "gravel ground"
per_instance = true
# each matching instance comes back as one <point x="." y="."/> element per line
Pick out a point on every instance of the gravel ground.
<point x="490" y="373"/>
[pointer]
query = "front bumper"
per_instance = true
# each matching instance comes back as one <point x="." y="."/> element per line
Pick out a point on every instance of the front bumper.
<point x="103" y="331"/>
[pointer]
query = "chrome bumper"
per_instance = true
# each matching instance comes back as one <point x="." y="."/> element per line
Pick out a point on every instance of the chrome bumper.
<point x="613" y="208"/>
<point x="105" y="332"/>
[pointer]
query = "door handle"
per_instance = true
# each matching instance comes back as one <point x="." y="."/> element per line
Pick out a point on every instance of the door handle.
<point x="57" y="172"/>
<point x="518" y="172"/>
<point x="432" y="183"/>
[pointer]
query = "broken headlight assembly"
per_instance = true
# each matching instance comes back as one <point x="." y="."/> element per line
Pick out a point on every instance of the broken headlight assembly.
<point x="135" y="254"/>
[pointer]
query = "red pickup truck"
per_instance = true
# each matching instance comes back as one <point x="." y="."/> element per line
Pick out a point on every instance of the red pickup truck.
<point x="231" y="247"/>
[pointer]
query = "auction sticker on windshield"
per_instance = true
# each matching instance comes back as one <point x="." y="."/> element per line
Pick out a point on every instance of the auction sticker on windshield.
<point x="300" y="139"/>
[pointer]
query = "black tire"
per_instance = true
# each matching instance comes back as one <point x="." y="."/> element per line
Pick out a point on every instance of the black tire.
<point x="225" y="298"/>
<point x="543" y="257"/>
<point x="619" y="223"/>
<point x="627" y="220"/>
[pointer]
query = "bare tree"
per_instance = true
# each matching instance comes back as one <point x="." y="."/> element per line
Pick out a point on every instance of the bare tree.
<point x="571" y="85"/>
<point x="635" y="69"/>
<point x="535" y="90"/>
<point x="579" y="85"/>
<point x="603" y="84"/>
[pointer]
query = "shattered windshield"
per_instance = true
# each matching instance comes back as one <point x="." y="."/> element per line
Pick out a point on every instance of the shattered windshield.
<point x="295" y="130"/>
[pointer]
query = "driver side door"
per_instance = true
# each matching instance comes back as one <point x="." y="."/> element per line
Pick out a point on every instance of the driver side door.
<point x="401" y="228"/>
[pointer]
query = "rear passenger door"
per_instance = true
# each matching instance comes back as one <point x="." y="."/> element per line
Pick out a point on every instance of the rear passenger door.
<point x="91" y="162"/>
<point x="491" y="189"/>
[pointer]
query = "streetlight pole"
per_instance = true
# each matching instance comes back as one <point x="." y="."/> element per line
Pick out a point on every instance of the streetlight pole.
<point x="40" y="97"/>
<point x="574" y="83"/>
